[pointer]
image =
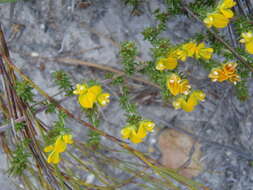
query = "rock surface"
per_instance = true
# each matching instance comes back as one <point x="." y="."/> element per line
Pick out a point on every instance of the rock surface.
<point x="179" y="151"/>
<point x="223" y="125"/>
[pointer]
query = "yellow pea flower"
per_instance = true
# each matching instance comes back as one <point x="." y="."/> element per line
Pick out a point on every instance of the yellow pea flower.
<point x="230" y="71"/>
<point x="190" y="48"/>
<point x="88" y="99"/>
<point x="247" y="39"/>
<point x="59" y="146"/>
<point x="225" y="8"/>
<point x="161" y="64"/>
<point x="186" y="50"/>
<point x="130" y="132"/>
<point x="177" y="86"/>
<point x="217" y="74"/>
<point x="103" y="99"/>
<point x="136" y="133"/>
<point x="216" y="19"/>
<point x="126" y="131"/>
<point x="145" y="127"/>
<point x="54" y="156"/>
<point x="225" y="72"/>
<point x="88" y="96"/>
<point x="202" y="52"/>
<point x="169" y="62"/>
<point x="189" y="104"/>
<point x="182" y="54"/>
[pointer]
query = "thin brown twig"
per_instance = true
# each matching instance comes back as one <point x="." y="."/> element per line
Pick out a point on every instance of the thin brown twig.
<point x="105" y="68"/>
<point x="118" y="72"/>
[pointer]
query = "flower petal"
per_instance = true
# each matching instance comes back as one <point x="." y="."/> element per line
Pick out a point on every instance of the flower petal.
<point x="60" y="145"/>
<point x="135" y="138"/>
<point x="68" y="138"/>
<point x="87" y="100"/>
<point x="103" y="99"/>
<point x="54" y="158"/>
<point x="96" y="90"/>
<point x="249" y="47"/>
<point x="49" y="148"/>
<point x="219" y="20"/>
<point x="126" y="132"/>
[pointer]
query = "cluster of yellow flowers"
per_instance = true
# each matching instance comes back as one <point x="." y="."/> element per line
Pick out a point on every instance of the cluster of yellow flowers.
<point x="136" y="133"/>
<point x="225" y="72"/>
<point x="190" y="49"/>
<point x="220" y="17"/>
<point x="178" y="86"/>
<point x="88" y="96"/>
<point x="58" y="147"/>
<point x="175" y="84"/>
<point x="189" y="103"/>
<point x="247" y="39"/>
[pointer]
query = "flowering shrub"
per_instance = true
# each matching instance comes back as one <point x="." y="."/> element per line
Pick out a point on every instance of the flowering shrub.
<point x="210" y="48"/>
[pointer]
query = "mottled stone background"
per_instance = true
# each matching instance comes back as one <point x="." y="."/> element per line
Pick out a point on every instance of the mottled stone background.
<point x="62" y="28"/>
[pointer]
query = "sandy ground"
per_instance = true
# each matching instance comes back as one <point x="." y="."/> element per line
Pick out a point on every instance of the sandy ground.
<point x="222" y="124"/>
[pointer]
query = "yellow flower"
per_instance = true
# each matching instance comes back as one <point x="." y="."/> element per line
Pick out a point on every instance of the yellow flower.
<point x="130" y="132"/>
<point x="145" y="127"/>
<point x="88" y="96"/>
<point x="177" y="86"/>
<point x="217" y="74"/>
<point x="54" y="156"/>
<point x="190" y="48"/>
<point x="182" y="54"/>
<point x="202" y="52"/>
<point x="169" y="62"/>
<point x="225" y="8"/>
<point x="87" y="100"/>
<point x="189" y="104"/>
<point x="103" y="99"/>
<point x="186" y="50"/>
<point x="247" y="38"/>
<point x="59" y="146"/>
<point x="136" y="133"/>
<point x="225" y="72"/>
<point x="216" y="19"/>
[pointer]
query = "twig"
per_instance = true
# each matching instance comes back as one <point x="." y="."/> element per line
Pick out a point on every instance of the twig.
<point x="104" y="68"/>
<point x="118" y="72"/>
